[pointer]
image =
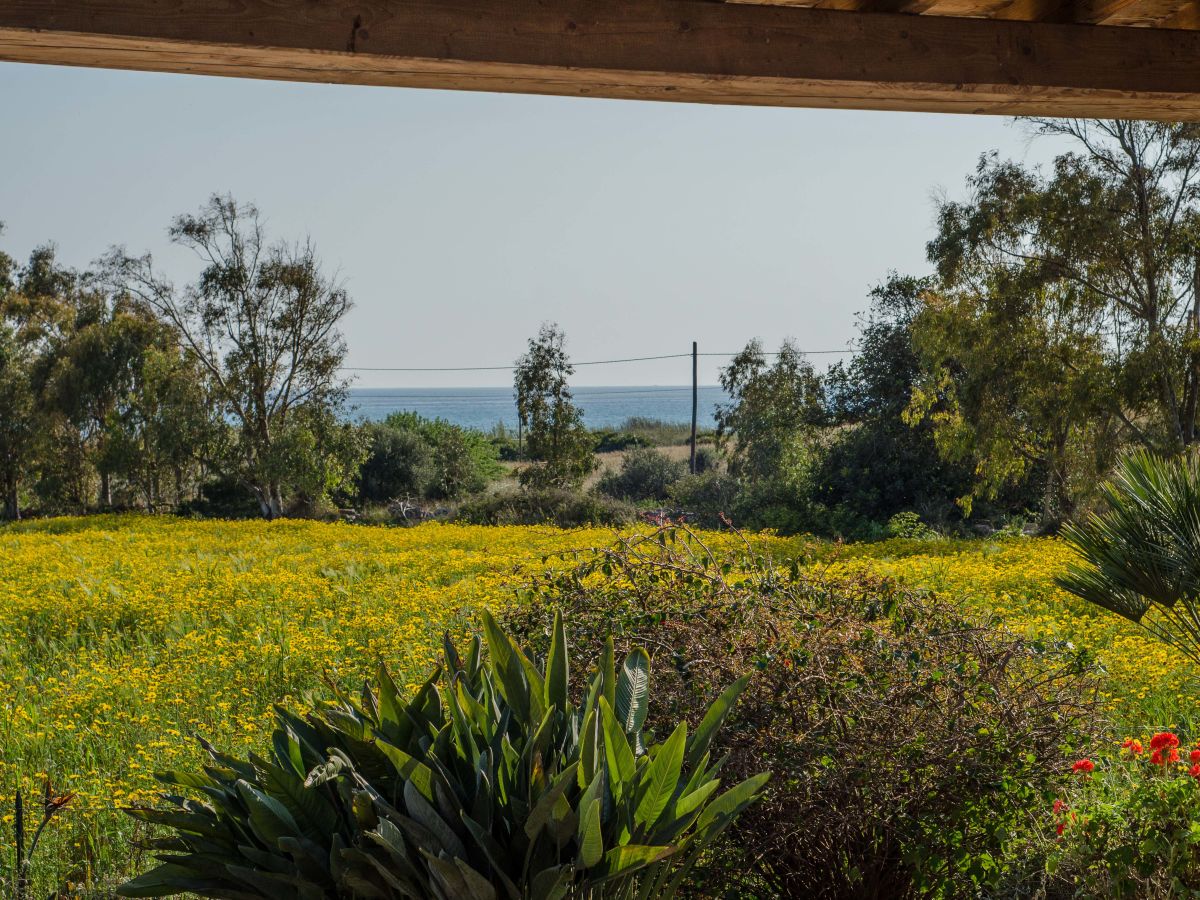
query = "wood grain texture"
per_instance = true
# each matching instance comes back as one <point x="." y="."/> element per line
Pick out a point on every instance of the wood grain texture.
<point x="644" y="49"/>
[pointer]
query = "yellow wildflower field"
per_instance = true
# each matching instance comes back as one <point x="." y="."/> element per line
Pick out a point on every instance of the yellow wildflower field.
<point x="123" y="637"/>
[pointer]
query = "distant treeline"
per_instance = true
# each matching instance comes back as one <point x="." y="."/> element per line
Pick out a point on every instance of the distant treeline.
<point x="1060" y="326"/>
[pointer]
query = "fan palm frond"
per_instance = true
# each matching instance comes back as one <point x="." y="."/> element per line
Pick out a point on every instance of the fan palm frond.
<point x="1142" y="554"/>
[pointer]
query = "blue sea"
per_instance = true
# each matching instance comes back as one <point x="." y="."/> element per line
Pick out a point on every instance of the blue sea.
<point x="483" y="408"/>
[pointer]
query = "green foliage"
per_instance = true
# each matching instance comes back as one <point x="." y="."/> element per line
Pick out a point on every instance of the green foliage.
<point x="261" y="319"/>
<point x="1064" y="326"/>
<point x="909" y="525"/>
<point x="708" y="496"/>
<point x="1128" y="830"/>
<point x="1140" y="558"/>
<point x="770" y="408"/>
<point x="563" y="507"/>
<point x="645" y="474"/>
<point x="907" y="742"/>
<point x="1006" y="389"/>
<point x="616" y="441"/>
<point x="555" y="437"/>
<point x="411" y="456"/>
<point x="490" y="782"/>
<point x="878" y="464"/>
<point x="399" y="464"/>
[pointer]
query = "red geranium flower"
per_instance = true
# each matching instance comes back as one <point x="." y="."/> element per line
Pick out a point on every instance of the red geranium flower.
<point x="1059" y="806"/>
<point x="1133" y="745"/>
<point x="1083" y="765"/>
<point x="1194" y="771"/>
<point x="1164" y="740"/>
<point x="1194" y="756"/>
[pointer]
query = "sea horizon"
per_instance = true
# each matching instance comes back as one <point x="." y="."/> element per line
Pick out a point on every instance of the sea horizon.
<point x="484" y="407"/>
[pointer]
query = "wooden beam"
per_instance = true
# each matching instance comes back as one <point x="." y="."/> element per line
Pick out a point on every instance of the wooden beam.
<point x="643" y="49"/>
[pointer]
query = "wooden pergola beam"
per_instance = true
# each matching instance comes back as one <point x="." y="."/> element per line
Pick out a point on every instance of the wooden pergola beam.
<point x="683" y="50"/>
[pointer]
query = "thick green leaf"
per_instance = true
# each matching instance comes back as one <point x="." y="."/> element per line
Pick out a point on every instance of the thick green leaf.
<point x="633" y="693"/>
<point x="423" y="812"/>
<point x="661" y="778"/>
<point x="591" y="839"/>
<point x="608" y="673"/>
<point x="540" y="814"/>
<point x="551" y="884"/>
<point x="505" y="661"/>
<point x="269" y="818"/>
<point x="617" y="753"/>
<point x="732" y="802"/>
<point x="628" y="859"/>
<point x="713" y="719"/>
<point x="411" y="770"/>
<point x="557" y="667"/>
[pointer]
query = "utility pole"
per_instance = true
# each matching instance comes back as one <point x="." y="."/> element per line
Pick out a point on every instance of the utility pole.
<point x="695" y="406"/>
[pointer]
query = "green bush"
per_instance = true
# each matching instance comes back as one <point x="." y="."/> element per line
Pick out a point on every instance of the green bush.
<point x="488" y="783"/>
<point x="645" y="474"/>
<point x="909" y="743"/>
<point x="908" y="525"/>
<point x="710" y="497"/>
<point x="399" y="464"/>
<point x="223" y="497"/>
<point x="563" y="507"/>
<point x="411" y="456"/>
<point x="616" y="441"/>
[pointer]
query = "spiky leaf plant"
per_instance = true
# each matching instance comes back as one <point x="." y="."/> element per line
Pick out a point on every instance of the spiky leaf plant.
<point x="1140" y="558"/>
<point x="489" y="783"/>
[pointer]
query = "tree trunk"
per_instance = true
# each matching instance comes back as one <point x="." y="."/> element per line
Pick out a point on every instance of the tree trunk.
<point x="270" y="501"/>
<point x="105" y="490"/>
<point x="12" y="502"/>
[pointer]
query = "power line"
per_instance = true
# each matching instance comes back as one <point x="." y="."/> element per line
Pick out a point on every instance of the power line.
<point x="594" y="362"/>
<point x="585" y="391"/>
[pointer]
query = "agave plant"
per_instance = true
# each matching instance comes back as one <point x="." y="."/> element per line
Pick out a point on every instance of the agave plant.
<point x="488" y="783"/>
<point x="1140" y="558"/>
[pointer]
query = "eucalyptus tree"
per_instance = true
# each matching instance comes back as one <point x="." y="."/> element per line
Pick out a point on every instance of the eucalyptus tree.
<point x="16" y="396"/>
<point x="261" y="320"/>
<point x="1066" y="320"/>
<point x="35" y="315"/>
<point x="772" y="405"/>
<point x="1112" y="233"/>
<point x="555" y="436"/>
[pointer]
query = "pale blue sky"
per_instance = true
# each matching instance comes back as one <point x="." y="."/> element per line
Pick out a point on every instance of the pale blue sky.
<point x="461" y="221"/>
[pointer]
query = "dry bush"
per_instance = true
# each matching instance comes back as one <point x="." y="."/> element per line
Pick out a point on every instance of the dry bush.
<point x="909" y="744"/>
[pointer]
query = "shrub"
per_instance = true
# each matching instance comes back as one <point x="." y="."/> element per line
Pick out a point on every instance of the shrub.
<point x="615" y="441"/>
<point x="707" y="460"/>
<point x="411" y="456"/>
<point x="909" y="525"/>
<point x="563" y="507"/>
<point x="657" y="432"/>
<point x="399" y="464"/>
<point x="1126" y="827"/>
<point x="709" y="497"/>
<point x="908" y="742"/>
<point x="222" y="497"/>
<point x="645" y="474"/>
<point x="489" y="782"/>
